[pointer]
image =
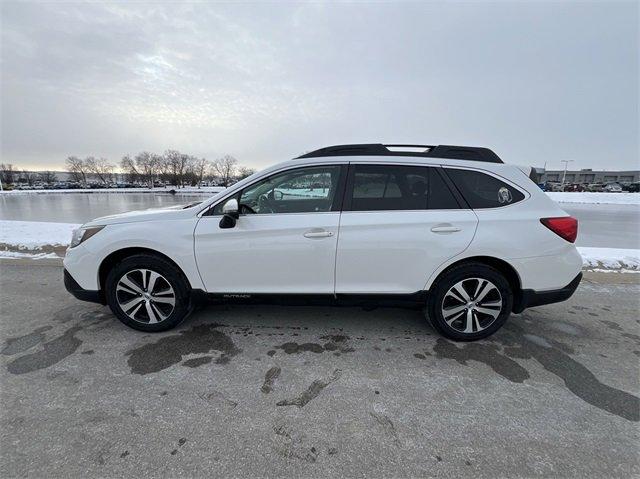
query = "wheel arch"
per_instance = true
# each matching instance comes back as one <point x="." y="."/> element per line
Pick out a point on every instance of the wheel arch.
<point x="116" y="256"/>
<point x="509" y="272"/>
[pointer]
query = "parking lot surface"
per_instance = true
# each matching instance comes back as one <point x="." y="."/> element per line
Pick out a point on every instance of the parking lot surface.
<point x="265" y="391"/>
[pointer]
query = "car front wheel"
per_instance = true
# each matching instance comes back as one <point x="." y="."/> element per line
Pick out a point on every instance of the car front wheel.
<point x="471" y="301"/>
<point x="148" y="293"/>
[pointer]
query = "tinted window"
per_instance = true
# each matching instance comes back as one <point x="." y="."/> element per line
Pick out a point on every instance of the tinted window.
<point x="482" y="190"/>
<point x="302" y="190"/>
<point x="390" y="187"/>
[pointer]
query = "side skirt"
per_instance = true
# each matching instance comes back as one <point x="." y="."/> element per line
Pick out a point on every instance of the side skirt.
<point x="415" y="300"/>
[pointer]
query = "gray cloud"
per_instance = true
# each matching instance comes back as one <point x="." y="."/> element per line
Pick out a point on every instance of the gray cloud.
<point x="536" y="81"/>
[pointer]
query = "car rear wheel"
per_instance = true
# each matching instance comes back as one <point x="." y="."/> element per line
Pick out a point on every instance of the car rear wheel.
<point x="471" y="301"/>
<point x="148" y="293"/>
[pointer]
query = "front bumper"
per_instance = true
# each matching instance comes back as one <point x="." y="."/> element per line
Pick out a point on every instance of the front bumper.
<point x="82" y="294"/>
<point x="529" y="298"/>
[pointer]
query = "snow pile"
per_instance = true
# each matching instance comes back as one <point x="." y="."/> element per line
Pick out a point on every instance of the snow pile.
<point x="34" y="235"/>
<point x="610" y="258"/>
<point x="595" y="198"/>
<point x="22" y="255"/>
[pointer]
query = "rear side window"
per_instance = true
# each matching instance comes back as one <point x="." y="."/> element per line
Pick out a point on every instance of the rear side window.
<point x="483" y="191"/>
<point x="397" y="187"/>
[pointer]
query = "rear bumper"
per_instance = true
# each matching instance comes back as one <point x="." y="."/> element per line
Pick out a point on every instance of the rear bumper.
<point x="82" y="294"/>
<point x="530" y="298"/>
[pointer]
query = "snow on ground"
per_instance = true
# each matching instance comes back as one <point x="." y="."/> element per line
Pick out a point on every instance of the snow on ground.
<point x="610" y="258"/>
<point x="27" y="238"/>
<point x="21" y="255"/>
<point x="596" y="198"/>
<point x="33" y="235"/>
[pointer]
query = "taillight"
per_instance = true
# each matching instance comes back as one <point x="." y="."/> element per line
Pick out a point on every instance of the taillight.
<point x="566" y="227"/>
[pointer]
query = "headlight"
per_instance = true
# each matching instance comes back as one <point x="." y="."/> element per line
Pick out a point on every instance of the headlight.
<point x="83" y="234"/>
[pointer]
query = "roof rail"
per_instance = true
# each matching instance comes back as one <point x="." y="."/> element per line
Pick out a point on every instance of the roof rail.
<point x="472" y="153"/>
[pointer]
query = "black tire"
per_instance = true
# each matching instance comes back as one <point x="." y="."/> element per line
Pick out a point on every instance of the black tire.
<point x="465" y="272"/>
<point x="169" y="272"/>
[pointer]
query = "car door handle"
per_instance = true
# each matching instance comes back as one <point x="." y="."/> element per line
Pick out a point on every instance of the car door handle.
<point x="445" y="229"/>
<point x="318" y="234"/>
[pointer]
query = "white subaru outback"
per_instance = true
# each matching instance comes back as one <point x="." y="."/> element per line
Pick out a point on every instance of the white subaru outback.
<point x="449" y="229"/>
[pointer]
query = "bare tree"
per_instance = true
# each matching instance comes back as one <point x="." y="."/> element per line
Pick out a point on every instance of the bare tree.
<point x="147" y="165"/>
<point x="154" y="166"/>
<point x="101" y="168"/>
<point x="225" y="168"/>
<point x="29" y="177"/>
<point x="176" y="164"/>
<point x="189" y="175"/>
<point x="200" y="168"/>
<point x="78" y="169"/>
<point x="7" y="173"/>
<point x="165" y="172"/>
<point x="192" y="174"/>
<point x="245" y="171"/>
<point x="128" y="166"/>
<point x="47" y="177"/>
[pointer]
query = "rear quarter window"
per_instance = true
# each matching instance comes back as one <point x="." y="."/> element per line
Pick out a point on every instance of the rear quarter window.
<point x="483" y="191"/>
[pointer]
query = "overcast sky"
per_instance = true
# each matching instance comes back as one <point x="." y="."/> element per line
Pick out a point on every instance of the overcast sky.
<point x="537" y="82"/>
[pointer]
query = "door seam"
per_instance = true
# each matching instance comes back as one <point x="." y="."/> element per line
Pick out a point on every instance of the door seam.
<point x="335" y="257"/>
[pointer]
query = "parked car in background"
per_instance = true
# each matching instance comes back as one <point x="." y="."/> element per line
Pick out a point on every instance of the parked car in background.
<point x="613" y="188"/>
<point x="553" y="186"/>
<point x="573" y="187"/>
<point x="634" y="188"/>
<point x="449" y="229"/>
<point x="595" y="187"/>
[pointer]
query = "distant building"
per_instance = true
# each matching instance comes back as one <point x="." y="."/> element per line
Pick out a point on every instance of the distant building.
<point x="591" y="176"/>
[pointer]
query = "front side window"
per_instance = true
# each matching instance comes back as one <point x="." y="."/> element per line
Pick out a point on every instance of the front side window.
<point x="301" y="190"/>
<point x="397" y="187"/>
<point x="483" y="191"/>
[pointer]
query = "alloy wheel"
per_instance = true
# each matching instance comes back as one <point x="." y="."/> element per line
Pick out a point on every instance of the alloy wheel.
<point x="471" y="305"/>
<point x="145" y="296"/>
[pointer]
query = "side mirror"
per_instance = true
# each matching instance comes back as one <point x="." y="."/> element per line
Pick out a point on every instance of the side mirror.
<point x="231" y="208"/>
<point x="231" y="214"/>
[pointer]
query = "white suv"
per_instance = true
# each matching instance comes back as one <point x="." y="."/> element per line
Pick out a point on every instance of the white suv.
<point x="451" y="229"/>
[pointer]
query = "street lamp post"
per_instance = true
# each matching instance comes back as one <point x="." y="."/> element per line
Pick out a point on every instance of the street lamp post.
<point x="564" y="175"/>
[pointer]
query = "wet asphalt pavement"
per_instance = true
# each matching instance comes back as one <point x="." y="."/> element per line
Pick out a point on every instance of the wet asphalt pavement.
<point x="254" y="391"/>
